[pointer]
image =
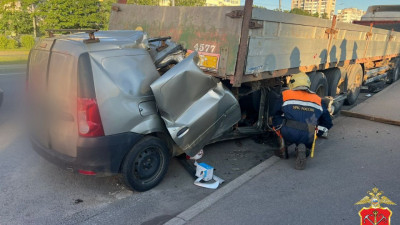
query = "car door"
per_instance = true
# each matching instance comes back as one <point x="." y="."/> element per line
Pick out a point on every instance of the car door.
<point x="37" y="91"/>
<point x="195" y="107"/>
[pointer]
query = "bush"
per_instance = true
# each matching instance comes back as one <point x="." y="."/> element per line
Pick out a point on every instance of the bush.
<point x="27" y="41"/>
<point x="3" y="42"/>
<point x="6" y="43"/>
<point x="12" y="44"/>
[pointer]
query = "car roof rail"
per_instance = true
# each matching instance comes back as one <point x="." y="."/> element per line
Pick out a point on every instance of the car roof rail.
<point x="92" y="38"/>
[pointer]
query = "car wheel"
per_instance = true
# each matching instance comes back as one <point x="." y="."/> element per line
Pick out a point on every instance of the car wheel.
<point x="146" y="164"/>
<point x="355" y="76"/>
<point x="319" y="84"/>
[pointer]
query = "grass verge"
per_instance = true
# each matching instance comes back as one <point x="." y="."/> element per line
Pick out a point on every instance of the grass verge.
<point x="17" y="56"/>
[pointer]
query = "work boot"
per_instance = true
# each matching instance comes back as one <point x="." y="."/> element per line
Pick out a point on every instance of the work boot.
<point x="300" y="157"/>
<point x="282" y="153"/>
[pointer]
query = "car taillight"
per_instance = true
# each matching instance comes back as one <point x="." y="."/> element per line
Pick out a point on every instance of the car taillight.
<point x="89" y="121"/>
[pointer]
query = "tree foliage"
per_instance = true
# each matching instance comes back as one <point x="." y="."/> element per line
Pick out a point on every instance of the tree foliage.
<point x="190" y="2"/>
<point x="300" y="12"/>
<point x="144" y="2"/>
<point x="7" y="43"/>
<point x="306" y="13"/>
<point x="262" y="7"/>
<point x="27" y="41"/>
<point x="72" y="14"/>
<point x="17" y="17"/>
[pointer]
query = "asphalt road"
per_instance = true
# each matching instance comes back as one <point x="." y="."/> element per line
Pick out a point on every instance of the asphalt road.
<point x="358" y="156"/>
<point x="34" y="191"/>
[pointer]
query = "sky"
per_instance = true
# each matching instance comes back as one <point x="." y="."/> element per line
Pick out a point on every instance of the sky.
<point x="340" y="4"/>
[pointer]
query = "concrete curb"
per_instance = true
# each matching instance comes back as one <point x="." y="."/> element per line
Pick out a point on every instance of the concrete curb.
<point x="208" y="201"/>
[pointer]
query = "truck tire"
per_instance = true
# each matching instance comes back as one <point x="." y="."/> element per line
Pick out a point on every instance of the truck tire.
<point x="146" y="164"/>
<point x="334" y="76"/>
<point x="319" y="83"/>
<point x="394" y="74"/>
<point x="354" y="79"/>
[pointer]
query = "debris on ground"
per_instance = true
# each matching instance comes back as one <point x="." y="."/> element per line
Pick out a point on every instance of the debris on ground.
<point x="77" y="201"/>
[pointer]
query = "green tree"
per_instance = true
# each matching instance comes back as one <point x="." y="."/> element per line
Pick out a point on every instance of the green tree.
<point x="190" y="2"/>
<point x="306" y="13"/>
<point x="144" y="2"/>
<point x="177" y="2"/>
<point x="300" y="12"/>
<point x="71" y="14"/>
<point x="15" y="18"/>
<point x="105" y="11"/>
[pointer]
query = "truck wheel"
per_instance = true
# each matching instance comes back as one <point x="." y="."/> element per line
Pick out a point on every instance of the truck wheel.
<point x="394" y="74"/>
<point x="354" y="77"/>
<point x="335" y="87"/>
<point x="319" y="84"/>
<point x="146" y="164"/>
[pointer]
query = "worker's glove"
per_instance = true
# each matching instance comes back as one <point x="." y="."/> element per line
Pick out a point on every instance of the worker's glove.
<point x="322" y="132"/>
<point x="276" y="128"/>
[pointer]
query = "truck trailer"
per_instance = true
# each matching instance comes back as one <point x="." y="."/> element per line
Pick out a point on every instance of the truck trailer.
<point x="253" y="46"/>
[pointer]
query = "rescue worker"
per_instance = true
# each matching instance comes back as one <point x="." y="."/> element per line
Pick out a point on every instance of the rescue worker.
<point x="296" y="115"/>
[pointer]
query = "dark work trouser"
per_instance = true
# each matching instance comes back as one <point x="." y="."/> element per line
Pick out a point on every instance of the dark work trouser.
<point x="295" y="136"/>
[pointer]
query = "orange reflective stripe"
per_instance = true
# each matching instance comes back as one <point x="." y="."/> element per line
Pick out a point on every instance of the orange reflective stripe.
<point x="301" y="95"/>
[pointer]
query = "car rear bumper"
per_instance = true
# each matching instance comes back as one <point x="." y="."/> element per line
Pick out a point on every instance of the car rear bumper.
<point x="102" y="155"/>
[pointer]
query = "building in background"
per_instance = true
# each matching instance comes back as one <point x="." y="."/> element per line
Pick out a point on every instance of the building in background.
<point x="316" y="6"/>
<point x="348" y="15"/>
<point x="208" y="2"/>
<point x="382" y="16"/>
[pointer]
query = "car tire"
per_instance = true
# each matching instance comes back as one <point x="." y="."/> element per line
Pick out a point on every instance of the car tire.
<point x="319" y="84"/>
<point x="354" y="78"/>
<point x="334" y="76"/>
<point x="146" y="164"/>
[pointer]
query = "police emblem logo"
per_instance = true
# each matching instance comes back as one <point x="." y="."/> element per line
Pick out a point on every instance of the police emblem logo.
<point x="375" y="214"/>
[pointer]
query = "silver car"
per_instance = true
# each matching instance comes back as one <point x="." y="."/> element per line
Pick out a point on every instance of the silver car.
<point x="121" y="102"/>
